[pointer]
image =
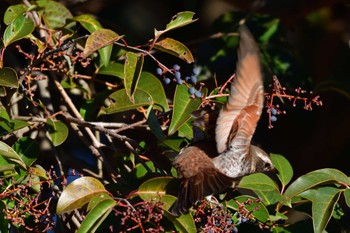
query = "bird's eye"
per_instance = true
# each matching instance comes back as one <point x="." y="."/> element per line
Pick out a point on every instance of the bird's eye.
<point x="267" y="165"/>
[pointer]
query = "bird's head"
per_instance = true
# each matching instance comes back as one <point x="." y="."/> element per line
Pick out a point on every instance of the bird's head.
<point x="261" y="161"/>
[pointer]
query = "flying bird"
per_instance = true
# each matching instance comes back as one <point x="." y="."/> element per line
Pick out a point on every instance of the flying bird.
<point x="210" y="167"/>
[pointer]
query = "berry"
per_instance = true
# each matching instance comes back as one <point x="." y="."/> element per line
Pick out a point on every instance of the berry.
<point x="235" y="230"/>
<point x="244" y="220"/>
<point x="159" y="71"/>
<point x="198" y="94"/>
<point x="187" y="78"/>
<point x="177" y="75"/>
<point x="273" y="111"/>
<point x="196" y="70"/>
<point x="193" y="79"/>
<point x="273" y="118"/>
<point x="176" y="67"/>
<point x="167" y="81"/>
<point x="179" y="81"/>
<point x="191" y="90"/>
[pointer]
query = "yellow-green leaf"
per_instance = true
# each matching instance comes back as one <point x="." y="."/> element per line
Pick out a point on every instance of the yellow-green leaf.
<point x="58" y="131"/>
<point x="79" y="193"/>
<point x="179" y="20"/>
<point x="19" y="28"/>
<point x="13" y="12"/>
<point x="54" y="13"/>
<point x="132" y="71"/>
<point x="8" y="77"/>
<point x="10" y="155"/>
<point x="175" y="48"/>
<point x="99" y="39"/>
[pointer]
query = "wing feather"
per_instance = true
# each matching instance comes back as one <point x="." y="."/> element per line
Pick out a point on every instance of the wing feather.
<point x="246" y="90"/>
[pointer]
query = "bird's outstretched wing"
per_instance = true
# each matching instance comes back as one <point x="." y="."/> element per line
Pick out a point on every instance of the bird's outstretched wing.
<point x="239" y="116"/>
<point x="198" y="176"/>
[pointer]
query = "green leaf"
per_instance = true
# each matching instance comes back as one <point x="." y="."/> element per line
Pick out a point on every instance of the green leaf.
<point x="184" y="105"/>
<point x="173" y="143"/>
<point x="186" y="130"/>
<point x="88" y="22"/>
<point x="18" y="29"/>
<point x="266" y="189"/>
<point x="154" y="188"/>
<point x="271" y="27"/>
<point x="114" y="69"/>
<point x="99" y="39"/>
<point x="58" y="131"/>
<point x="27" y="149"/>
<point x="285" y="170"/>
<point x="179" y="20"/>
<point x="256" y="208"/>
<point x="3" y="92"/>
<point x="8" y="125"/>
<point x="154" y="125"/>
<point x="96" y="216"/>
<point x="323" y="200"/>
<point x="54" y="13"/>
<point x="121" y="101"/>
<point x="313" y="179"/>
<point x="347" y="196"/>
<point x="132" y="71"/>
<point x="78" y="193"/>
<point x="175" y="48"/>
<point x="8" y="77"/>
<point x="4" y="225"/>
<point x="10" y="155"/>
<point x="141" y="171"/>
<point x="13" y="12"/>
<point x="183" y="223"/>
<point x="151" y="84"/>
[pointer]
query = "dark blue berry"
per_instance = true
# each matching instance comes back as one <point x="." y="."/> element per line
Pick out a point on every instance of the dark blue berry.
<point x="193" y="79"/>
<point x="176" y="67"/>
<point x="167" y="81"/>
<point x="196" y="70"/>
<point x="159" y="71"/>
<point x="179" y="81"/>
<point x="198" y="94"/>
<point x="273" y="118"/>
<point x="191" y="90"/>
<point x="187" y="78"/>
<point x="235" y="230"/>
<point x="244" y="220"/>
<point x="273" y="111"/>
<point x="177" y="75"/>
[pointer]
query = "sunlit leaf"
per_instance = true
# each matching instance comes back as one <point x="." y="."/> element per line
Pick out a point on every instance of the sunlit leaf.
<point x="96" y="216"/>
<point x="58" y="131"/>
<point x="141" y="171"/>
<point x="79" y="193"/>
<point x="271" y="29"/>
<point x="88" y="22"/>
<point x="186" y="130"/>
<point x="347" y="196"/>
<point x="121" y="101"/>
<point x="184" y="105"/>
<point x="175" y="48"/>
<point x="10" y="155"/>
<point x="266" y="189"/>
<point x="313" y="179"/>
<point x="99" y="39"/>
<point x="132" y="71"/>
<point x="151" y="84"/>
<point x="283" y="167"/>
<point x="8" y="77"/>
<point x="19" y="28"/>
<point x="13" y="12"/>
<point x="153" y="188"/>
<point x="114" y="69"/>
<point x="323" y="200"/>
<point x="54" y="13"/>
<point x="179" y="20"/>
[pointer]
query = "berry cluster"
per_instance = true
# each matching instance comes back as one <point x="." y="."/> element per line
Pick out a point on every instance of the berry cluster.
<point x="280" y="92"/>
<point x="177" y="78"/>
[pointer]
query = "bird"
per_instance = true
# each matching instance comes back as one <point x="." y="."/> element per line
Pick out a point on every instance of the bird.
<point x="211" y="166"/>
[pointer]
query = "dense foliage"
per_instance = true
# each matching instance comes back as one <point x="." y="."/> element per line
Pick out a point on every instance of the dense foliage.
<point x="89" y="125"/>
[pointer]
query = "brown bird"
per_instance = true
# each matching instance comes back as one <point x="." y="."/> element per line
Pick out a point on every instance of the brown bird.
<point x="207" y="168"/>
